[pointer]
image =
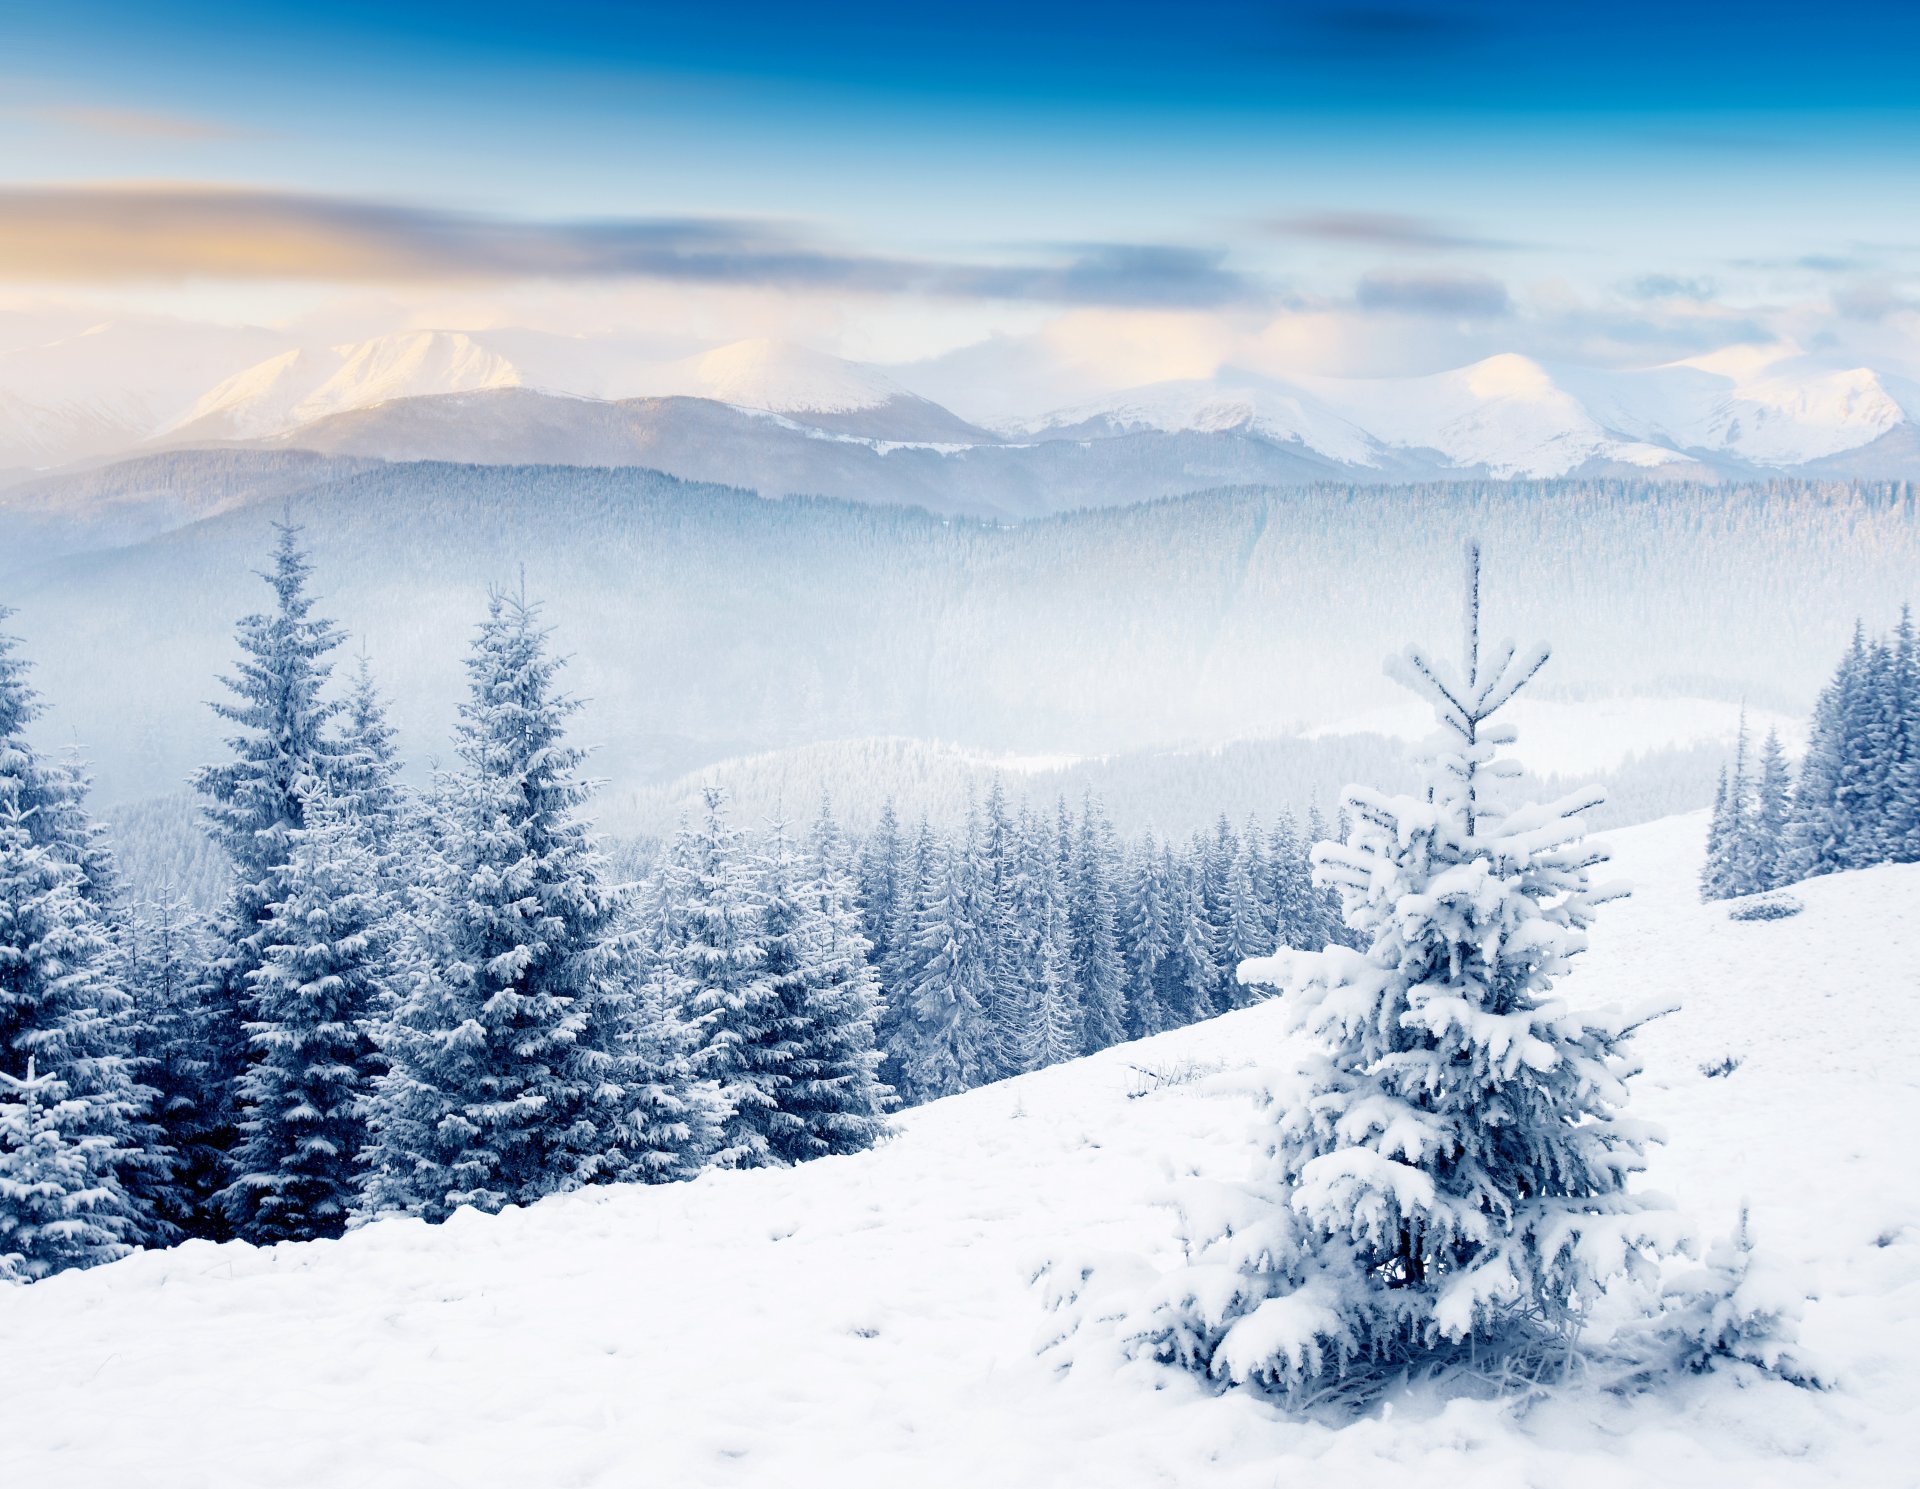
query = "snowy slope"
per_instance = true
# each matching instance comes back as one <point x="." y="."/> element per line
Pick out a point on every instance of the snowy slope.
<point x="1513" y="417"/>
<point x="872" y="1321"/>
<point x="773" y="376"/>
<point x="298" y="386"/>
<point x="1505" y="413"/>
<point x="1272" y="410"/>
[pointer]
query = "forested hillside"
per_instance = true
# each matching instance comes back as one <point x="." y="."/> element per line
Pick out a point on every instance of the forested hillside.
<point x="706" y="623"/>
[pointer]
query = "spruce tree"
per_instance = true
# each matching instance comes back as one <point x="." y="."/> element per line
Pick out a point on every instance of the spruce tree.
<point x="1146" y="940"/>
<point x="282" y="751"/>
<point x="326" y="972"/>
<point x="1193" y="968"/>
<point x="1455" y="1178"/>
<point x="166" y="969"/>
<point x="1827" y="800"/>
<point x="64" y="1005"/>
<point x="946" y="1045"/>
<point x="714" y="964"/>
<point x="834" y="1099"/>
<point x="1769" y="823"/>
<point x="1099" y="975"/>
<point x="503" y="1047"/>
<point x="61" y="1205"/>
<point x="880" y="877"/>
<point x="71" y="1116"/>
<point x="901" y="967"/>
<point x="1059" y="1021"/>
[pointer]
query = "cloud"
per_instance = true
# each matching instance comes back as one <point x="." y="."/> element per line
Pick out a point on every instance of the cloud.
<point x="1137" y="275"/>
<point x="135" y="124"/>
<point x="1378" y="230"/>
<point x="1468" y="295"/>
<point x="1670" y="287"/>
<point x="178" y="232"/>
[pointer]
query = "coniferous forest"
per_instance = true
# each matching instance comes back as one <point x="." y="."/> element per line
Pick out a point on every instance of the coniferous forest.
<point x="1855" y="799"/>
<point x="413" y="1000"/>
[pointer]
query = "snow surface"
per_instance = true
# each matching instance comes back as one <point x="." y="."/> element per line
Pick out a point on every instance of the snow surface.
<point x="1767" y="406"/>
<point x="297" y="387"/>
<point x="872" y="1321"/>
<point x="770" y="376"/>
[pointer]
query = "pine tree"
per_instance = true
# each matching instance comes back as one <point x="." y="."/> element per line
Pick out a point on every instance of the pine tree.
<point x="63" y="1004"/>
<point x="834" y="1097"/>
<point x="1059" y="1020"/>
<point x="1298" y="921"/>
<point x="945" y="1042"/>
<point x="61" y="1205"/>
<point x="1147" y="940"/>
<point x="880" y="883"/>
<point x="255" y="802"/>
<point x="71" y="1116"/>
<point x="1193" y="968"/>
<point x="995" y="872"/>
<point x="901" y="968"/>
<point x="326" y="971"/>
<point x="1247" y="934"/>
<point x="1826" y="806"/>
<point x="1902" y="843"/>
<point x="1099" y="975"/>
<point x="1716" y="867"/>
<point x="1773" y="803"/>
<point x="715" y="967"/>
<point x="166" y="969"/>
<point x="503" y="1080"/>
<point x="1457" y="1178"/>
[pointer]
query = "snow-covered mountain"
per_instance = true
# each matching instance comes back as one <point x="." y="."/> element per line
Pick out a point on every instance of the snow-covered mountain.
<point x="414" y="394"/>
<point x="296" y="387"/>
<point x="874" y="1320"/>
<point x="1508" y="416"/>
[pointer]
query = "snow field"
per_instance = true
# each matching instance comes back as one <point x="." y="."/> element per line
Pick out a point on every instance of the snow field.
<point x="874" y="1320"/>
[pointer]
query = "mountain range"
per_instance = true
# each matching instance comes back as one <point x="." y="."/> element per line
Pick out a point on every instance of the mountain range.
<point x="783" y="420"/>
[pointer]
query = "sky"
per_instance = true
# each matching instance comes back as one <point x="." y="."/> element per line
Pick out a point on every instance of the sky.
<point x="1138" y="190"/>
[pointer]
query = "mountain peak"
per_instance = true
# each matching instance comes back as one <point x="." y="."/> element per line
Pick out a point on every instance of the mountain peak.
<point x="779" y="377"/>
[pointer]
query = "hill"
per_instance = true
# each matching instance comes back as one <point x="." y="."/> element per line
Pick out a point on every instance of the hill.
<point x="872" y="1321"/>
<point x="706" y="623"/>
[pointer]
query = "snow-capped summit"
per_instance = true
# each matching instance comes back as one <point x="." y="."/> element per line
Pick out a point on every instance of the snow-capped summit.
<point x="773" y="377"/>
<point x="298" y="386"/>
<point x="1506" y="414"/>
<point x="1233" y="401"/>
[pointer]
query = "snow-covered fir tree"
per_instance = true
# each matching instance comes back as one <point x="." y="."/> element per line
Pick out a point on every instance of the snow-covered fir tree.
<point x="504" y="1042"/>
<point x="714" y="963"/>
<point x="880" y="875"/>
<point x="1099" y="975"/>
<point x="282" y="752"/>
<point x="1453" y="1173"/>
<point x="60" y="1204"/>
<point x="832" y="1101"/>
<point x="945" y="1042"/>
<point x="326" y="972"/>
<point x="71" y="1116"/>
<point x="1146" y="939"/>
<point x="1766" y="857"/>
<point x="901" y="966"/>
<point x="64" y="1008"/>
<point x="165" y="961"/>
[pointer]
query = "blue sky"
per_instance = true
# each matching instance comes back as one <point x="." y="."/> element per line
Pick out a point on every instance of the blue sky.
<point x="1417" y="180"/>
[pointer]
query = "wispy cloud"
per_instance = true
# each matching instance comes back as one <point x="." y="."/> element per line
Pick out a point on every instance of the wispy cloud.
<point x="177" y="232"/>
<point x="1468" y="295"/>
<point x="1380" y="230"/>
<point x="133" y="124"/>
<point x="1670" y="287"/>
